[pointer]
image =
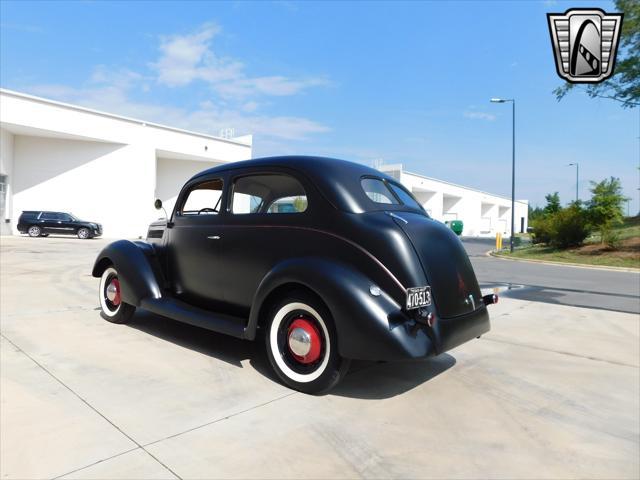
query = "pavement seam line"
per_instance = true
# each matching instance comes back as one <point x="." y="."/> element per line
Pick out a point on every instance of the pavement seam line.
<point x="219" y="419"/>
<point x="241" y="412"/>
<point x="87" y="404"/>
<point x="97" y="462"/>
<point x="559" y="352"/>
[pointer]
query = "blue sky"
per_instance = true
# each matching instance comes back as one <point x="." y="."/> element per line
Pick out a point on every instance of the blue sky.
<point x="399" y="82"/>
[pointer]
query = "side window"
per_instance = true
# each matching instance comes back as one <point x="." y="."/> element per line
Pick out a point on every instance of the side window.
<point x="49" y="216"/>
<point x="64" y="217"/>
<point x="377" y="191"/>
<point x="268" y="193"/>
<point x="203" y="199"/>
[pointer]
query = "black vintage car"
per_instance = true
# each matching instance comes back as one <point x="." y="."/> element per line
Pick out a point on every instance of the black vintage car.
<point x="330" y="260"/>
<point x="37" y="223"/>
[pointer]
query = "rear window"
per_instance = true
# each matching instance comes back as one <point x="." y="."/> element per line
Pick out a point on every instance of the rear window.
<point x="388" y="193"/>
<point x="404" y="196"/>
<point x="378" y="191"/>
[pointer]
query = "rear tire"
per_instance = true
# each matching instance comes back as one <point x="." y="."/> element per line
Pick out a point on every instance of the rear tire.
<point x="83" y="233"/>
<point x="34" y="231"/>
<point x="112" y="308"/>
<point x="302" y="344"/>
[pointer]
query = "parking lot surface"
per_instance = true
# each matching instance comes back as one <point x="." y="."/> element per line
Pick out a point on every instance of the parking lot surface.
<point x="553" y="391"/>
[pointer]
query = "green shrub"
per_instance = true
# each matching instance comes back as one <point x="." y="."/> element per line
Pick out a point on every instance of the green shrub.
<point x="569" y="227"/>
<point x="541" y="230"/>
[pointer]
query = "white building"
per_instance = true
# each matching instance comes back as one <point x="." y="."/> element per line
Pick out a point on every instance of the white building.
<point x="98" y="166"/>
<point x="109" y="169"/>
<point x="482" y="213"/>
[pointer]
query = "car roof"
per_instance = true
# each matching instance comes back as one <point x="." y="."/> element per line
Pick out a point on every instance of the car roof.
<point x="338" y="180"/>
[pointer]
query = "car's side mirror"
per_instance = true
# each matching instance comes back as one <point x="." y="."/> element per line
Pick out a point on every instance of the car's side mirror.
<point x="158" y="205"/>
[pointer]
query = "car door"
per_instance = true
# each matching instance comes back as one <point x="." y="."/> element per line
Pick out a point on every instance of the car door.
<point x="193" y="244"/>
<point x="51" y="222"/>
<point x="67" y="223"/>
<point x="265" y="210"/>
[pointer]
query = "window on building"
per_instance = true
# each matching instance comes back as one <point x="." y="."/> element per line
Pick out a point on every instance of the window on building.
<point x="203" y="199"/>
<point x="268" y="193"/>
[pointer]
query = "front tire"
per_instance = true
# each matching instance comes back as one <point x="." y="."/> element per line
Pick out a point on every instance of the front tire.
<point x="83" y="233"/>
<point x="302" y="344"/>
<point x="112" y="308"/>
<point x="34" y="231"/>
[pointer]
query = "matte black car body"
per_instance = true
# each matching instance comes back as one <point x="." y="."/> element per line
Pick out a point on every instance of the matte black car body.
<point x="224" y="272"/>
<point x="57" y="223"/>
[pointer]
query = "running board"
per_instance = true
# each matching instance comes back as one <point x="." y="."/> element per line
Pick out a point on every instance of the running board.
<point x="198" y="317"/>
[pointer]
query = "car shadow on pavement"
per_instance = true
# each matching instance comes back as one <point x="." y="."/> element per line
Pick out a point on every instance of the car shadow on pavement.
<point x="365" y="380"/>
<point x="222" y="347"/>
<point x="380" y="380"/>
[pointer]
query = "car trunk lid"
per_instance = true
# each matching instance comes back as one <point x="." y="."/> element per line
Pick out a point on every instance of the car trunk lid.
<point x="445" y="263"/>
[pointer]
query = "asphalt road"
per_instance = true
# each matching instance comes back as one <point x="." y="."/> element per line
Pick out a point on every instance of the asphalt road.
<point x="574" y="286"/>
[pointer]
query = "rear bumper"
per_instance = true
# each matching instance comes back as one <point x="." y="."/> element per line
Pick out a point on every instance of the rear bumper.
<point x="452" y="332"/>
<point x="404" y="339"/>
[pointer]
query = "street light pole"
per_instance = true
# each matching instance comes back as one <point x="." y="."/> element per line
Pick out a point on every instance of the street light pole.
<point x="513" y="165"/>
<point x="577" y="165"/>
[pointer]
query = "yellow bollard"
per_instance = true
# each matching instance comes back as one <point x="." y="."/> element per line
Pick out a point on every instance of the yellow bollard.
<point x="498" y="241"/>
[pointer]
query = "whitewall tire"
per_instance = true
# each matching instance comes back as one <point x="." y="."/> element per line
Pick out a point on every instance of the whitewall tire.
<point x="302" y="346"/>
<point x="112" y="308"/>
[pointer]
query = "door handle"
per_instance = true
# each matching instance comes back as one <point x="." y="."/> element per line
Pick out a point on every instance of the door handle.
<point x="214" y="237"/>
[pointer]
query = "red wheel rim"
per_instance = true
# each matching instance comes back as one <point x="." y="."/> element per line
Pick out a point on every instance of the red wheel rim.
<point x="113" y="292"/>
<point x="304" y="337"/>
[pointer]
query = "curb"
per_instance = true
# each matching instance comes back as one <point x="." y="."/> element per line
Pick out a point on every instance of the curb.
<point x="491" y="253"/>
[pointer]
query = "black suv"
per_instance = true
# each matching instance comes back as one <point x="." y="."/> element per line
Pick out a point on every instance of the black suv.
<point x="41" y="224"/>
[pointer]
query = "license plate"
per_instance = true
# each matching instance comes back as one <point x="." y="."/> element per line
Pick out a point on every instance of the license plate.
<point x="418" y="297"/>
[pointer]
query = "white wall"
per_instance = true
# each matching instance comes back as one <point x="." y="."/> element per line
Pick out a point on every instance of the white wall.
<point x="98" y="166"/>
<point x="106" y="183"/>
<point x="6" y="168"/>
<point x="483" y="214"/>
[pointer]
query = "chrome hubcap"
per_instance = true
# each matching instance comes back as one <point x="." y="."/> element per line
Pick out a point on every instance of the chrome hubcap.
<point x="299" y="342"/>
<point x="112" y="292"/>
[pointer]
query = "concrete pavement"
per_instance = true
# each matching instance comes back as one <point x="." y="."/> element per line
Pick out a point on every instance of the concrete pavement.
<point x="551" y="392"/>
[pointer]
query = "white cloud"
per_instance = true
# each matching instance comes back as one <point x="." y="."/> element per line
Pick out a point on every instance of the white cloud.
<point x="207" y="118"/>
<point x="480" y="116"/>
<point x="183" y="60"/>
<point x="187" y="58"/>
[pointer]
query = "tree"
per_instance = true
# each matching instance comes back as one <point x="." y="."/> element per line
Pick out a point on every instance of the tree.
<point x="624" y="85"/>
<point x="553" y="203"/>
<point x="605" y="207"/>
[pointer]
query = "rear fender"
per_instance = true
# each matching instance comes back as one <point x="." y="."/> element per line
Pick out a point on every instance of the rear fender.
<point x="134" y="263"/>
<point x="369" y="327"/>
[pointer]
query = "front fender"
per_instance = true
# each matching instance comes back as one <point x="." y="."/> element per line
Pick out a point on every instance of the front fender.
<point x="369" y="327"/>
<point x="133" y="263"/>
